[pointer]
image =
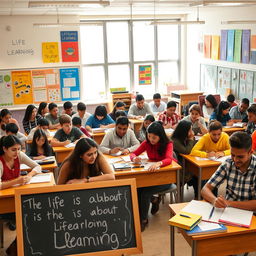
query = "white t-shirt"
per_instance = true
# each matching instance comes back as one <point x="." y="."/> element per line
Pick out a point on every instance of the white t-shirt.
<point x="84" y="119"/>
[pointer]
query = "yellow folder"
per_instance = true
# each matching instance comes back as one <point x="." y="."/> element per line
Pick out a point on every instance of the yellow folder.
<point x="185" y="220"/>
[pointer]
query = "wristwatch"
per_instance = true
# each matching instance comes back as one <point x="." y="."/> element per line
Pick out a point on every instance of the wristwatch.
<point x="88" y="178"/>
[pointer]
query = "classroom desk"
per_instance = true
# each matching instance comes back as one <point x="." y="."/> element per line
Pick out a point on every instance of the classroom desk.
<point x="145" y="178"/>
<point x="98" y="137"/>
<point x="135" y="124"/>
<point x="49" y="167"/>
<point x="230" y="130"/>
<point x="61" y="153"/>
<point x="235" y="241"/>
<point x="203" y="169"/>
<point x="183" y="97"/>
<point x="7" y="202"/>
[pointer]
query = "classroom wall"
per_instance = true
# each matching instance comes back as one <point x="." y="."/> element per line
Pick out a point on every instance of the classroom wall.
<point x="195" y="34"/>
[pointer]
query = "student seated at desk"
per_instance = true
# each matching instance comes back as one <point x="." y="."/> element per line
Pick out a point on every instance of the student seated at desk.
<point x="121" y="138"/>
<point x="209" y="106"/>
<point x="77" y="122"/>
<point x="213" y="144"/>
<point x="231" y="100"/>
<point x="118" y="106"/>
<point x="40" y="148"/>
<point x="169" y="118"/>
<point x="239" y="174"/>
<point x="67" y="133"/>
<point x="251" y="127"/>
<point x="157" y="105"/>
<point x="221" y="114"/>
<point x="30" y="119"/>
<point x="6" y="118"/>
<point x="43" y="109"/>
<point x="238" y="113"/>
<point x="140" y="108"/>
<point x="120" y="113"/>
<point x="11" y="157"/>
<point x="85" y="164"/>
<point x="68" y="109"/>
<point x="81" y="113"/>
<point x="100" y="119"/>
<point x="198" y="122"/>
<point x="160" y="149"/>
<point x="43" y="124"/>
<point x="12" y="129"/>
<point x="53" y="116"/>
<point x="141" y="136"/>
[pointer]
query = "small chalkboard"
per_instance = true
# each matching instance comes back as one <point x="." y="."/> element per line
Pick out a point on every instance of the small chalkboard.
<point x="98" y="218"/>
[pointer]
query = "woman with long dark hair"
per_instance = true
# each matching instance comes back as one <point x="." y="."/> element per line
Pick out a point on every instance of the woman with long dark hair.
<point x="40" y="147"/>
<point x="209" y="105"/>
<point x="159" y="149"/>
<point x="85" y="164"/>
<point x="118" y="106"/>
<point x="30" y="119"/>
<point x="221" y="114"/>
<point x="43" y="109"/>
<point x="141" y="136"/>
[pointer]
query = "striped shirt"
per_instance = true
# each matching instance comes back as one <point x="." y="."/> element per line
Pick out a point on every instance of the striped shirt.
<point x="241" y="186"/>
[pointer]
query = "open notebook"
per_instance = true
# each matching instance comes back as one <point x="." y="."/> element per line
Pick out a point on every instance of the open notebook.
<point x="229" y="215"/>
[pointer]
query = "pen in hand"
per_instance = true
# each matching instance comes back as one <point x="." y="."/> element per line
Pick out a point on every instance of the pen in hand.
<point x="211" y="213"/>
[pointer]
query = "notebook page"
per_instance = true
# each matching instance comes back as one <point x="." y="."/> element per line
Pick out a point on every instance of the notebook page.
<point x="39" y="178"/>
<point x="237" y="216"/>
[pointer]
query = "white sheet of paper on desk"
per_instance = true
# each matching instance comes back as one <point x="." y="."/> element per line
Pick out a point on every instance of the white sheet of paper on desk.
<point x="220" y="159"/>
<point x="201" y="158"/>
<point x="40" y="178"/>
<point x="126" y="158"/>
<point x="169" y="130"/>
<point x="52" y="133"/>
<point x="119" y="153"/>
<point x="149" y="164"/>
<point x="114" y="160"/>
<point x="48" y="158"/>
<point x="205" y="226"/>
<point x="70" y="145"/>
<point x="241" y="125"/>
<point x="24" y="167"/>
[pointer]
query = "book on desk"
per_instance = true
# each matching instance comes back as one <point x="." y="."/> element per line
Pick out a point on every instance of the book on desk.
<point x="204" y="228"/>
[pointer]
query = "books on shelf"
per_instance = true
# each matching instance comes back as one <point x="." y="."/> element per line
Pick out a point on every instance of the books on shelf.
<point x="229" y="215"/>
<point x="185" y="220"/>
<point x="204" y="228"/>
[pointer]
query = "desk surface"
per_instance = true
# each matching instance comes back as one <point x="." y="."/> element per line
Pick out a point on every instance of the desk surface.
<point x="62" y="149"/>
<point x="186" y="92"/>
<point x="44" y="167"/>
<point x="233" y="129"/>
<point x="201" y="163"/>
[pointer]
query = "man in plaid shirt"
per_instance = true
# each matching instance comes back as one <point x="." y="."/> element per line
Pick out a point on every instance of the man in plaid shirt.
<point x="239" y="173"/>
<point x="169" y="118"/>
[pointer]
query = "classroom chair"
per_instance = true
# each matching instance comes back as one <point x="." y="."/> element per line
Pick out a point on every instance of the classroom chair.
<point x="201" y="101"/>
<point x="173" y="194"/>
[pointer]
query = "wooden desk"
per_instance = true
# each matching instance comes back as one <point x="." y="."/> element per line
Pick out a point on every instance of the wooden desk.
<point x="145" y="178"/>
<point x="135" y="124"/>
<point x="98" y="137"/>
<point x="49" y="167"/>
<point x="7" y="202"/>
<point x="61" y="153"/>
<point x="203" y="169"/>
<point x="183" y="97"/>
<point x="230" y="130"/>
<point x="235" y="241"/>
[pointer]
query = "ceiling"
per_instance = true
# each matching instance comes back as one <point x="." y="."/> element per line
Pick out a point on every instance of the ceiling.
<point x="116" y="7"/>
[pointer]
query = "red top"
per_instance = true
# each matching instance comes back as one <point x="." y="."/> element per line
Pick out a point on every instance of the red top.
<point x="174" y="119"/>
<point x="10" y="174"/>
<point x="153" y="154"/>
<point x="254" y="140"/>
<point x="233" y="105"/>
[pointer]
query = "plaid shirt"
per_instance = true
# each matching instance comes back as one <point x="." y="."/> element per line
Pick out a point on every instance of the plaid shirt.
<point x="241" y="186"/>
<point x="251" y="127"/>
<point x="174" y="119"/>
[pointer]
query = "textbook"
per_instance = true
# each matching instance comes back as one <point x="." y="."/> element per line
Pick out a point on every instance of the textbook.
<point x="121" y="166"/>
<point x="185" y="220"/>
<point x="204" y="228"/>
<point x="229" y="215"/>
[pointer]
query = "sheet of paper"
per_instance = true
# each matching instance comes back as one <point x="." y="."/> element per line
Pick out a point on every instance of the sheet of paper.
<point x="39" y="82"/>
<point x="40" y="178"/>
<point x="51" y="79"/>
<point x="221" y="159"/>
<point x="52" y="133"/>
<point x="66" y="93"/>
<point x="114" y="160"/>
<point x="201" y="158"/>
<point x="205" y="226"/>
<point x="24" y="167"/>
<point x="126" y="158"/>
<point x="69" y="82"/>
<point x="149" y="164"/>
<point x="70" y="145"/>
<point x="75" y="94"/>
<point x="40" y="95"/>
<point x="119" y="153"/>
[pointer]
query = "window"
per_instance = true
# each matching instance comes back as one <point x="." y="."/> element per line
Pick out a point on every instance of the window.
<point x="112" y="53"/>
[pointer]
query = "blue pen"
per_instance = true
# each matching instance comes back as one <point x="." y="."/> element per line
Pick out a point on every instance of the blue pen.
<point x="211" y="213"/>
<point x="184" y="215"/>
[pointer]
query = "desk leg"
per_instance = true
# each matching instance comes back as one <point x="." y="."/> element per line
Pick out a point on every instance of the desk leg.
<point x="178" y="186"/>
<point x="199" y="183"/>
<point x="172" y="240"/>
<point x="194" y="248"/>
<point x="183" y="178"/>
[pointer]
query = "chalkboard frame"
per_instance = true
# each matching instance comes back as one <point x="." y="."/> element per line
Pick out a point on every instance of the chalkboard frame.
<point x="59" y="188"/>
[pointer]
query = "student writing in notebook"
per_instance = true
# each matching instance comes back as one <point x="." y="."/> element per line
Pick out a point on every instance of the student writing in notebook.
<point x="239" y="174"/>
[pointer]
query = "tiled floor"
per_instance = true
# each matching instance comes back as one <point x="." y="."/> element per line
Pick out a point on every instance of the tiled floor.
<point x="156" y="237"/>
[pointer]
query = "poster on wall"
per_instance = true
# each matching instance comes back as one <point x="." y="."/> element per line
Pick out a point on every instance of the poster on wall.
<point x="223" y="44"/>
<point x="50" y="52"/>
<point x="69" y="82"/>
<point x="69" y="46"/>
<point x="230" y="50"/>
<point x="6" y="95"/>
<point x="208" y="78"/>
<point x="224" y="80"/>
<point x="237" y="45"/>
<point x="215" y="47"/>
<point x="253" y="49"/>
<point x="46" y="85"/>
<point x="22" y="87"/>
<point x="246" y="35"/>
<point x="145" y="74"/>
<point x="235" y="82"/>
<point x="246" y="84"/>
<point x="207" y="46"/>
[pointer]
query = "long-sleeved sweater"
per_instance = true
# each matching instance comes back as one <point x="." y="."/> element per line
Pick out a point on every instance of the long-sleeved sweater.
<point x="205" y="144"/>
<point x="152" y="152"/>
